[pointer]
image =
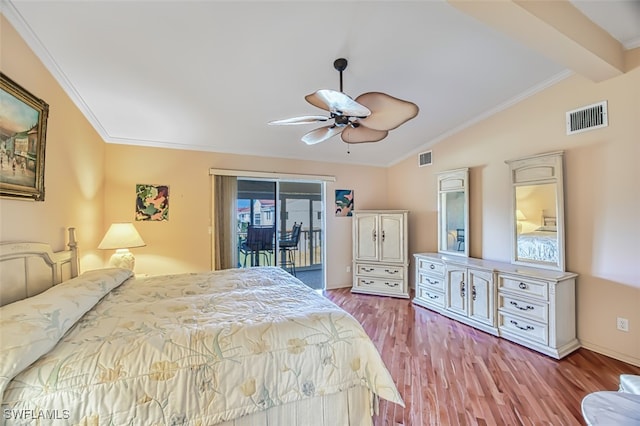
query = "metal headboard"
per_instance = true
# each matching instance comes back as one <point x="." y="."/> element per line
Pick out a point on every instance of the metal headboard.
<point x="29" y="268"/>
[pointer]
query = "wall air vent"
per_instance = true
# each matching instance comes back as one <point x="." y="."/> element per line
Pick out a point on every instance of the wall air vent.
<point x="424" y="159"/>
<point x="587" y="118"/>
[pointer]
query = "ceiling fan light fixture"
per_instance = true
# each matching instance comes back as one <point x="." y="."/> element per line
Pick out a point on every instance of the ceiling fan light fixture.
<point x="368" y="118"/>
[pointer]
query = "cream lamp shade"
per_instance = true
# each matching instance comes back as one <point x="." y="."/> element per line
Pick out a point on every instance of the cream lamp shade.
<point x="122" y="237"/>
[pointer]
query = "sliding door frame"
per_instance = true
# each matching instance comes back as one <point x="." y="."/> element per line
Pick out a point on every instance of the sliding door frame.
<point x="277" y="177"/>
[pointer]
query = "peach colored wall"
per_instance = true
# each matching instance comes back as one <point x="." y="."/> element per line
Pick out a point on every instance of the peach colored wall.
<point x="183" y="242"/>
<point x="73" y="169"/>
<point x="602" y="197"/>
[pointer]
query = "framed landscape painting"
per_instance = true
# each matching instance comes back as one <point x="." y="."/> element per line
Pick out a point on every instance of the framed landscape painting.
<point x="23" y="128"/>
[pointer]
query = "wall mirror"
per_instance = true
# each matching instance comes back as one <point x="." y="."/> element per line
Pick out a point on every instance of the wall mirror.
<point x="453" y="212"/>
<point x="537" y="218"/>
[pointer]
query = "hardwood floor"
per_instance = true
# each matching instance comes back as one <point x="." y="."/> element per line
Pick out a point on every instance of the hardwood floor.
<point x="451" y="374"/>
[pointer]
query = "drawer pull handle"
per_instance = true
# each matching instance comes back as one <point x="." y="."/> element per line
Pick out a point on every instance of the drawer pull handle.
<point x="527" y="328"/>
<point x="432" y="282"/>
<point x="368" y="269"/>
<point x="391" y="272"/>
<point x="392" y="284"/>
<point x="367" y="282"/>
<point x="432" y="297"/>
<point x="522" y="286"/>
<point x="432" y="266"/>
<point x="526" y="308"/>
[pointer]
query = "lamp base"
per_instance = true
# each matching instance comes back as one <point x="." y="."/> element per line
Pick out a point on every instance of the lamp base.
<point x="123" y="258"/>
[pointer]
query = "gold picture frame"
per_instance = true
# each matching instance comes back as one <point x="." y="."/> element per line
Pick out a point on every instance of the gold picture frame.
<point x="23" y="129"/>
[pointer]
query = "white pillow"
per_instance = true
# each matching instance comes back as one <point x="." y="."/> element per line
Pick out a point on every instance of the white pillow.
<point x="31" y="327"/>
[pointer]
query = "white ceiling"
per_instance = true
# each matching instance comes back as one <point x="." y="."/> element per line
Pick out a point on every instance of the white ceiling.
<point x="209" y="75"/>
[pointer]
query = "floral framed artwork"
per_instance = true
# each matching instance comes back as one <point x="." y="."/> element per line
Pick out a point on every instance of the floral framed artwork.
<point x="152" y="202"/>
<point x="23" y="129"/>
<point x="344" y="202"/>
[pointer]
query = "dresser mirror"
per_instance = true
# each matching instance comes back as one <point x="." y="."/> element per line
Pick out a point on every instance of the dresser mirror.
<point x="453" y="212"/>
<point x="537" y="219"/>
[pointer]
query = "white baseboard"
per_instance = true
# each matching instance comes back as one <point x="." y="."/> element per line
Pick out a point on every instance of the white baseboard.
<point x="613" y="354"/>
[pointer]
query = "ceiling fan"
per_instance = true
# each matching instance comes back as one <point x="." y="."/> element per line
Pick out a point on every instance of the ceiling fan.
<point x="368" y="118"/>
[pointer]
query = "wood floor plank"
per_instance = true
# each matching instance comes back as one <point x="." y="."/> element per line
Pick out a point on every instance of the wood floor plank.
<point x="452" y="374"/>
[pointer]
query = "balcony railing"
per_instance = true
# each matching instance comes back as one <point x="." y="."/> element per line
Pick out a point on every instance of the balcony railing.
<point x="308" y="255"/>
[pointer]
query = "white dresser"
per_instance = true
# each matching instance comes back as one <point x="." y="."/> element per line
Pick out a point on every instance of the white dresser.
<point x="380" y="252"/>
<point x="530" y="306"/>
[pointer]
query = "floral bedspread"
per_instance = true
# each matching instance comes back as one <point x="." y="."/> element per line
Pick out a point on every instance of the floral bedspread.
<point x="189" y="349"/>
<point x="538" y="245"/>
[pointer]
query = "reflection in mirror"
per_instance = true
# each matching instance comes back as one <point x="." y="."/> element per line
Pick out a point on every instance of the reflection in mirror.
<point x="453" y="214"/>
<point x="538" y="213"/>
<point x="537" y="230"/>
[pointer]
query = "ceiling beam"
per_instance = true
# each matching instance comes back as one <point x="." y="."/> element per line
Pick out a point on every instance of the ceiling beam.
<point x="557" y="29"/>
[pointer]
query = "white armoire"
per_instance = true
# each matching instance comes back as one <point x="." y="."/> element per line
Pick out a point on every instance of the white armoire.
<point x="380" y="252"/>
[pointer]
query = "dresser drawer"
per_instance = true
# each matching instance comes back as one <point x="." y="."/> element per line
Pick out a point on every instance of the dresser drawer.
<point x="430" y="281"/>
<point x="524" y="328"/>
<point x="379" y="285"/>
<point x="385" y="271"/>
<point x="533" y="310"/>
<point x="431" y="266"/>
<point x="524" y="286"/>
<point x="430" y="297"/>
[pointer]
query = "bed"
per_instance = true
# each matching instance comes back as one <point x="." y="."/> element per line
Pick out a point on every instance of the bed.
<point x="236" y="347"/>
<point x="540" y="244"/>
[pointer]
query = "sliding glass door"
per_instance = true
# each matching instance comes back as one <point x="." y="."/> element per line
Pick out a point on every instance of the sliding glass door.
<point x="294" y="210"/>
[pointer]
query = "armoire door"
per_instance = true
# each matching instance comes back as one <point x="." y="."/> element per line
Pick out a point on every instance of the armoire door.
<point x="366" y="234"/>
<point x="391" y="238"/>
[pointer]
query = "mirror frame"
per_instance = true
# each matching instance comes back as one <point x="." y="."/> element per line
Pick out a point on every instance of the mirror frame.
<point x="453" y="181"/>
<point x="538" y="169"/>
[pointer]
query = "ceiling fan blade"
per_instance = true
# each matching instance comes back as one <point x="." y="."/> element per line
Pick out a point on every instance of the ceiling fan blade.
<point x="387" y="112"/>
<point x="362" y="134"/>
<point x="321" y="134"/>
<point x="307" y="119"/>
<point x="337" y="102"/>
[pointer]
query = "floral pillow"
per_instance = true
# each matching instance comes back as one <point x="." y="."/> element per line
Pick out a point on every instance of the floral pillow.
<point x="31" y="327"/>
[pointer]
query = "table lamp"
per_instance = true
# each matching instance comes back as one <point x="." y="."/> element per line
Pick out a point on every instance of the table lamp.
<point x="122" y="237"/>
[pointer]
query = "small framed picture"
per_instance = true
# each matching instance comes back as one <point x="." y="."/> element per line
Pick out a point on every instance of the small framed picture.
<point x="152" y="202"/>
<point x="344" y="202"/>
